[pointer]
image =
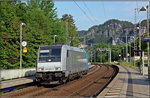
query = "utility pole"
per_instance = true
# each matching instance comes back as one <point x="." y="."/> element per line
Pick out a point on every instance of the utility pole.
<point x="148" y="41"/>
<point x="148" y="14"/>
<point x="148" y="46"/>
<point x="139" y="36"/>
<point x="101" y="56"/>
<point x="67" y="41"/>
<point x="95" y="56"/>
<point x="140" y="43"/>
<point x="110" y="54"/>
<point x="135" y="45"/>
<point x="84" y="41"/>
<point x="55" y="38"/>
<point x="91" y="56"/>
<point x="126" y="49"/>
<point x="123" y="54"/>
<point x="130" y="51"/>
<point x="22" y="24"/>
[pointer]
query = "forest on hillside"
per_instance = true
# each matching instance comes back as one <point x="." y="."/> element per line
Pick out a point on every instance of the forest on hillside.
<point x="42" y="24"/>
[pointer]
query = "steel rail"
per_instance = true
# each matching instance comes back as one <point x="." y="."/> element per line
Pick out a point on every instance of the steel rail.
<point x="91" y="83"/>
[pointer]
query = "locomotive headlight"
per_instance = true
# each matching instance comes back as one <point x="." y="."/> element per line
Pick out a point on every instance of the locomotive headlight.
<point x="40" y="69"/>
<point x="58" y="68"/>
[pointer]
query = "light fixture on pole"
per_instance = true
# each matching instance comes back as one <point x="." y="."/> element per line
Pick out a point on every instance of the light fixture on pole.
<point x="54" y="38"/>
<point x="144" y="9"/>
<point x="22" y="24"/>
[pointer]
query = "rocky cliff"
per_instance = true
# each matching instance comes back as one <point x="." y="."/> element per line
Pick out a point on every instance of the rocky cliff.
<point x="111" y="30"/>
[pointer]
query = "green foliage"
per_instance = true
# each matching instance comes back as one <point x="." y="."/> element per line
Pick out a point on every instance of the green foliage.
<point x="138" y="63"/>
<point x="105" y="55"/>
<point x="98" y="55"/>
<point x="15" y="89"/>
<point x="3" y="79"/>
<point x="128" y="64"/>
<point x="42" y="24"/>
<point x="108" y="63"/>
<point x="116" y="51"/>
<point x="72" y="35"/>
<point x="94" y="63"/>
<point x="101" y="45"/>
<point x="1" y="93"/>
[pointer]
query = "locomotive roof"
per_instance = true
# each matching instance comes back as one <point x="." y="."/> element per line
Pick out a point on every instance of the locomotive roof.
<point x="50" y="46"/>
<point x="66" y="46"/>
<point x="74" y="48"/>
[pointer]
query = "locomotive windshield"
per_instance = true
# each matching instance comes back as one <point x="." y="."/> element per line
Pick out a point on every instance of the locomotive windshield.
<point x="55" y="52"/>
<point x="50" y="55"/>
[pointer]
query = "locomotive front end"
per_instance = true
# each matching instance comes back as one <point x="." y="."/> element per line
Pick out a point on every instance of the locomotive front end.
<point x="49" y="66"/>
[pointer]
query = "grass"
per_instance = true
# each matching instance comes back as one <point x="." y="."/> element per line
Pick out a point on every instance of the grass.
<point x="93" y="63"/>
<point x="15" y="89"/>
<point x="128" y="64"/>
<point x="1" y="93"/>
<point x="3" y="79"/>
<point x="107" y="63"/>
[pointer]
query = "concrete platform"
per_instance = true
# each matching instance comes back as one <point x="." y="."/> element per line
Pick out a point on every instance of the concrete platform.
<point x="128" y="83"/>
<point x="16" y="82"/>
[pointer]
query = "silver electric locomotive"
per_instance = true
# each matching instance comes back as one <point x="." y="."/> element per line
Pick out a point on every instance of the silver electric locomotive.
<point x="60" y="63"/>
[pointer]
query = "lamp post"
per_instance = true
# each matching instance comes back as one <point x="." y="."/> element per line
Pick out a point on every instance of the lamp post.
<point x="54" y="38"/>
<point x="139" y="28"/>
<point x="144" y="9"/>
<point x="135" y="44"/>
<point x="21" y="44"/>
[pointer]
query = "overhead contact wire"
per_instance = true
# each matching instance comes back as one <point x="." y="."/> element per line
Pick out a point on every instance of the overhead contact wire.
<point x="83" y="11"/>
<point x="104" y="10"/>
<point x="89" y="11"/>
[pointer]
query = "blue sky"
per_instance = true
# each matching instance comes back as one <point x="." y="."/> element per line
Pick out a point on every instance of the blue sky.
<point x="97" y="12"/>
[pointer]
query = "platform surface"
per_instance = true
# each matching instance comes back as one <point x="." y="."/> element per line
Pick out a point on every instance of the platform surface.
<point x="128" y="83"/>
<point x="16" y="82"/>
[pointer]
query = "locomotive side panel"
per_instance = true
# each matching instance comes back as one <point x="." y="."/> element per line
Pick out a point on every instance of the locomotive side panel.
<point x="68" y="63"/>
<point x="75" y="61"/>
<point x="63" y="58"/>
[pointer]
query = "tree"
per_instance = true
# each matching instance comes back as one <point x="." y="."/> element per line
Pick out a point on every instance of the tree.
<point x="42" y="24"/>
<point x="72" y="35"/>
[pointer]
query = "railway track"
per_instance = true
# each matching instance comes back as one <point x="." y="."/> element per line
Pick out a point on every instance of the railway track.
<point x="89" y="85"/>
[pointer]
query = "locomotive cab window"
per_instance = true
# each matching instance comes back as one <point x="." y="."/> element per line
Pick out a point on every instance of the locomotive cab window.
<point x="50" y="55"/>
<point x="44" y="54"/>
<point x="56" y="52"/>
